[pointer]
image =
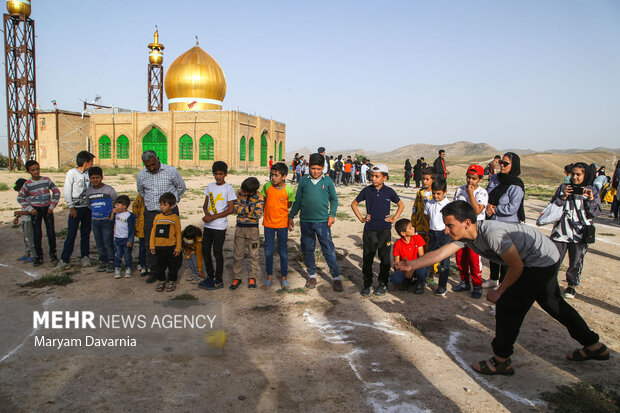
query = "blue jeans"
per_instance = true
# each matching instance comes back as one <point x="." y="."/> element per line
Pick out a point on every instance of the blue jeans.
<point x="122" y="250"/>
<point x="270" y="244"/>
<point x="437" y="240"/>
<point x="83" y="221"/>
<point x="310" y="231"/>
<point x="421" y="274"/>
<point x="103" y="230"/>
<point x="142" y="253"/>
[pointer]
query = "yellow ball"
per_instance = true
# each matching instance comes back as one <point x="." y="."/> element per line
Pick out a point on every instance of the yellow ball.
<point x="216" y="339"/>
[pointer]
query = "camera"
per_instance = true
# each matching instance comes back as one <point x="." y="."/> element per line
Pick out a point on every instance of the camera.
<point x="577" y="190"/>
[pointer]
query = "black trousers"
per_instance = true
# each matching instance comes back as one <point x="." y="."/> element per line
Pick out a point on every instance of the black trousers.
<point x="43" y="216"/>
<point x="437" y="240"/>
<point x="149" y="217"/>
<point x="540" y="285"/>
<point x="376" y="241"/>
<point x="497" y="271"/>
<point x="213" y="239"/>
<point x="166" y="260"/>
<point x="407" y="179"/>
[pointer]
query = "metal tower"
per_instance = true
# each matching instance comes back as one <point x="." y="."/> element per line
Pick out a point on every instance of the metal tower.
<point x="21" y="85"/>
<point x="156" y="75"/>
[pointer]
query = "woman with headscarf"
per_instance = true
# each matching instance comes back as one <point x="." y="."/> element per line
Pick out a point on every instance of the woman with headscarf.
<point x="506" y="193"/>
<point x="407" y="173"/>
<point x="615" y="205"/>
<point x="581" y="202"/>
<point x="417" y="172"/>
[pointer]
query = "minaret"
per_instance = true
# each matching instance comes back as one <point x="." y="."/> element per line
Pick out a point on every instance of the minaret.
<point x="156" y="75"/>
<point x="21" y="85"/>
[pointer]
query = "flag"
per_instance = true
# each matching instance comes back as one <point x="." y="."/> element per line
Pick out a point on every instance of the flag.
<point x="191" y="105"/>
<point x="54" y="103"/>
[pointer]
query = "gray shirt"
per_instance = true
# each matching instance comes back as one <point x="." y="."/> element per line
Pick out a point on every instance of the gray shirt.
<point x="495" y="238"/>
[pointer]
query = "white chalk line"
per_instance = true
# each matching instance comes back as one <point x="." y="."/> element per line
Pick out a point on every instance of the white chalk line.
<point x="10" y="353"/>
<point x="379" y="397"/>
<point x="452" y="349"/>
<point x="17" y="268"/>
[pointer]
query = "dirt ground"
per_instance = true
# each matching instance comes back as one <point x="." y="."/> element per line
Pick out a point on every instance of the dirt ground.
<point x="314" y="350"/>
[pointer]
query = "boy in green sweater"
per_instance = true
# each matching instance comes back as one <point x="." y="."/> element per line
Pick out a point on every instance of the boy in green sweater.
<point x="316" y="201"/>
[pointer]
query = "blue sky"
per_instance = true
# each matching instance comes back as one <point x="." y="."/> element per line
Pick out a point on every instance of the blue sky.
<point x="344" y="74"/>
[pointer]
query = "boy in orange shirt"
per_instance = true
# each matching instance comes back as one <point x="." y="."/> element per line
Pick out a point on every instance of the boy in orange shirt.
<point x="278" y="200"/>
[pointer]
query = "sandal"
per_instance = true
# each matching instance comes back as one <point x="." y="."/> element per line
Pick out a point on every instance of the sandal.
<point x="501" y="367"/>
<point x="236" y="283"/>
<point x="285" y="285"/>
<point x="171" y="286"/>
<point x="160" y="286"/>
<point x="251" y="282"/>
<point x="266" y="285"/>
<point x="589" y="354"/>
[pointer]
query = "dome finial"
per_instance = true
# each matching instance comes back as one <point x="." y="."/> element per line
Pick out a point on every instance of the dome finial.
<point x="197" y="44"/>
<point x="156" y="35"/>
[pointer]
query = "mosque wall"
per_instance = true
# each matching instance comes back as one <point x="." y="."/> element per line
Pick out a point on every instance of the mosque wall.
<point x="60" y="136"/>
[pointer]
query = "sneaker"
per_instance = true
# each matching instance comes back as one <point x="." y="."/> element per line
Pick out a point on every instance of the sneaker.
<point x="117" y="273"/>
<point x="110" y="267"/>
<point x="206" y="284"/>
<point x="22" y="258"/>
<point x="419" y="288"/>
<point x="490" y="284"/>
<point x="151" y="278"/>
<point x="218" y="283"/>
<point x="251" y="282"/>
<point x="440" y="291"/>
<point x="86" y="261"/>
<point x="53" y="257"/>
<point x="311" y="283"/>
<point x="102" y="266"/>
<point x="190" y="276"/>
<point x="197" y="280"/>
<point x="37" y="261"/>
<point x="570" y="292"/>
<point x="128" y="272"/>
<point x="463" y="286"/>
<point x="235" y="284"/>
<point x="29" y="260"/>
<point x="365" y="292"/>
<point x="338" y="286"/>
<point x="61" y="266"/>
<point x="476" y="292"/>
<point x="381" y="289"/>
<point x="143" y="271"/>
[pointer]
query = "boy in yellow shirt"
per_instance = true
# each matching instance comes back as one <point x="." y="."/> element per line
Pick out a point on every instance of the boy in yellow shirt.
<point x="166" y="243"/>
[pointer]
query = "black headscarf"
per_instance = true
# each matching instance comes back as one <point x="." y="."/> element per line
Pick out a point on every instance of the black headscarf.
<point x="506" y="181"/>
<point x="589" y="174"/>
<point x="408" y="166"/>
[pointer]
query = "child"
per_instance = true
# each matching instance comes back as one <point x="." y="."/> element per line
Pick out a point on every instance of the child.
<point x="249" y="208"/>
<point x="100" y="199"/>
<point x="138" y="210"/>
<point x="24" y="216"/>
<point x="278" y="199"/>
<point x="165" y="243"/>
<point x="39" y="196"/>
<point x="218" y="204"/>
<point x="409" y="247"/>
<point x="74" y="191"/>
<point x="466" y="259"/>
<point x="418" y="219"/>
<point x="298" y="172"/>
<point x="192" y="251"/>
<point x="437" y="234"/>
<point x="377" y="227"/>
<point x="317" y="202"/>
<point x="270" y="162"/>
<point x="124" y="233"/>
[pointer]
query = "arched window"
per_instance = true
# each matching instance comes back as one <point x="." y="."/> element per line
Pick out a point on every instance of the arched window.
<point x="155" y="140"/>
<point x="186" y="148"/>
<point x="105" y="147"/>
<point x="263" y="150"/>
<point x="280" y="152"/>
<point x="242" y="149"/>
<point x="251" y="150"/>
<point x="122" y="147"/>
<point x="205" y="148"/>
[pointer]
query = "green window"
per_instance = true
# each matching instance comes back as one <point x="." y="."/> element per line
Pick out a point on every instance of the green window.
<point x="275" y="148"/>
<point x="280" y="152"/>
<point x="186" y="148"/>
<point x="242" y="149"/>
<point x="105" y="147"/>
<point x="251" y="150"/>
<point x="205" y="148"/>
<point x="263" y="150"/>
<point x="122" y="147"/>
<point x="155" y="140"/>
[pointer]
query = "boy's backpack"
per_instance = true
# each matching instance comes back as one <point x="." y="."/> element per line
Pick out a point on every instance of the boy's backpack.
<point x="338" y="166"/>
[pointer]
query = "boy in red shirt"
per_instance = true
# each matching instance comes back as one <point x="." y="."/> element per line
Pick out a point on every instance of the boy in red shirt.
<point x="409" y="247"/>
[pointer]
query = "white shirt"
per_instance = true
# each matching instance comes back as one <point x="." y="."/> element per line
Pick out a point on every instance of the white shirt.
<point x="433" y="210"/>
<point x="480" y="195"/>
<point x="121" y="230"/>
<point x="219" y="196"/>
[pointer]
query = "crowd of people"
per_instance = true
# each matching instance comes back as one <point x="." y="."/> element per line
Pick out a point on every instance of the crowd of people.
<point x="475" y="222"/>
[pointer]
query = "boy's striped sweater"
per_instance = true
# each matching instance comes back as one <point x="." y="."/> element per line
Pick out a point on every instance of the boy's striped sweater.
<point x="37" y="194"/>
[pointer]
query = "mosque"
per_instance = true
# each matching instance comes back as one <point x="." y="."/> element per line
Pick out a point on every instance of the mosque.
<point x="193" y="133"/>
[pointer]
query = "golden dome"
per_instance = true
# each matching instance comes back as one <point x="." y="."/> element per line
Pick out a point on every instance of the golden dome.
<point x="156" y="50"/>
<point x="18" y="8"/>
<point x="195" y="81"/>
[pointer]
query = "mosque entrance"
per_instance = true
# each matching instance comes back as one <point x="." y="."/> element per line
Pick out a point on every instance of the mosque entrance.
<point x="155" y="140"/>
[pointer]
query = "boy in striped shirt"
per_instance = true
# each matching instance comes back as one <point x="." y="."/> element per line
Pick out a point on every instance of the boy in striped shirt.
<point x="39" y="196"/>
